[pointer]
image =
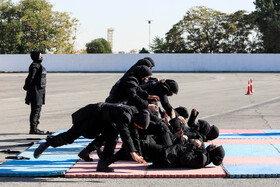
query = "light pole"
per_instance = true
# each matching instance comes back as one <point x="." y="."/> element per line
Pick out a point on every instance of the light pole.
<point x="149" y="22"/>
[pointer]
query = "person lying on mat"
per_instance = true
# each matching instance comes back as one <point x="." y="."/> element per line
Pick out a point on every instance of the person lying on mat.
<point x="107" y="119"/>
<point x="199" y="129"/>
<point x="184" y="155"/>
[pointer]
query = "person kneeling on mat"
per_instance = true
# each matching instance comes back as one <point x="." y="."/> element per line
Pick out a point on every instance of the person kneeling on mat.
<point x="107" y="119"/>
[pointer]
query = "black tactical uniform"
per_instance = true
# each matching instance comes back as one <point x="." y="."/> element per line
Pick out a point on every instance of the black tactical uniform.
<point x="182" y="154"/>
<point x="35" y="85"/>
<point x="128" y="91"/>
<point x="162" y="90"/>
<point x="105" y="118"/>
<point x="156" y="132"/>
<point x="201" y="128"/>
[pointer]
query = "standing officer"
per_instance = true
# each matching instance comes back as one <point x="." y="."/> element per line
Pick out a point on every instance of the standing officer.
<point x="35" y="85"/>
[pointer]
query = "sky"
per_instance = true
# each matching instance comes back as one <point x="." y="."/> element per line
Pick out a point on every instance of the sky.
<point x="129" y="18"/>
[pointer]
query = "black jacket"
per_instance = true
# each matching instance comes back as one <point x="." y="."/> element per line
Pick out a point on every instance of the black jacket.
<point x="35" y="84"/>
<point x="128" y="91"/>
<point x="160" y="89"/>
<point x="107" y="119"/>
<point x="185" y="155"/>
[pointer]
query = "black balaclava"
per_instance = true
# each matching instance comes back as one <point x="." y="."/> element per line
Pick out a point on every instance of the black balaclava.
<point x="151" y="60"/>
<point x="176" y="124"/>
<point x="182" y="111"/>
<point x="173" y="86"/>
<point x="204" y="127"/>
<point x="143" y="62"/>
<point x="141" y="72"/>
<point x="142" y="118"/>
<point x="213" y="133"/>
<point x="216" y="155"/>
<point x="35" y="56"/>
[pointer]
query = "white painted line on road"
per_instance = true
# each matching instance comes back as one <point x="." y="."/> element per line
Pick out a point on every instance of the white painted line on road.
<point x="243" y="108"/>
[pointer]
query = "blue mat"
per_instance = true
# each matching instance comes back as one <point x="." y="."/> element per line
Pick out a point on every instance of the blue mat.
<point x="274" y="133"/>
<point x="253" y="171"/>
<point x="53" y="162"/>
<point x="57" y="161"/>
<point x="236" y="150"/>
<point x="244" y="136"/>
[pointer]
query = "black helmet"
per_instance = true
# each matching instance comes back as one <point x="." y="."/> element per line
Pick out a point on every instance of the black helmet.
<point x="35" y="55"/>
<point x="216" y="155"/>
<point x="204" y="127"/>
<point x="182" y="111"/>
<point x="143" y="62"/>
<point x="213" y="133"/>
<point x="141" y="71"/>
<point x="173" y="86"/>
<point x="151" y="60"/>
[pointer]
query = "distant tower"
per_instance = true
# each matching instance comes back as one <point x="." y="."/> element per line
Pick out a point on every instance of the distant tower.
<point x="110" y="37"/>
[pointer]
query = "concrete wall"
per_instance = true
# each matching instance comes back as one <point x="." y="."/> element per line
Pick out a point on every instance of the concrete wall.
<point x="164" y="62"/>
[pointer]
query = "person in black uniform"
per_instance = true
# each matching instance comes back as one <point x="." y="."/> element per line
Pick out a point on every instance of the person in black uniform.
<point x="183" y="154"/>
<point x="35" y="85"/>
<point x="163" y="89"/>
<point x="147" y="61"/>
<point x="157" y="132"/>
<point x="143" y="62"/>
<point x="201" y="129"/>
<point x="107" y="119"/>
<point x="128" y="91"/>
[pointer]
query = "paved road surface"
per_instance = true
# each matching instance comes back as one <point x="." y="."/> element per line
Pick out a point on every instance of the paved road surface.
<point x="219" y="97"/>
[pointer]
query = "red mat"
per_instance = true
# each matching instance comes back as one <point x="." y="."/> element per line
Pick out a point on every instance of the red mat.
<point x="208" y="171"/>
<point x="244" y="141"/>
<point x="123" y="169"/>
<point x="241" y="131"/>
<point x="131" y="169"/>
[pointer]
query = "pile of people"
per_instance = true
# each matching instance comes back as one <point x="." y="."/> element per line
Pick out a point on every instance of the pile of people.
<point x="166" y="136"/>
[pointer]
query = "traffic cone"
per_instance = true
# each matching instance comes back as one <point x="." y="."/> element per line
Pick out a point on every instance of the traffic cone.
<point x="251" y="86"/>
<point x="249" y="89"/>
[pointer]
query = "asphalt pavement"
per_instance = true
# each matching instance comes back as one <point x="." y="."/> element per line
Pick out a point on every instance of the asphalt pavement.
<point x="220" y="99"/>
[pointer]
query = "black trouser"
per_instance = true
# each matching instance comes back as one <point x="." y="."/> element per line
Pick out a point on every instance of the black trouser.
<point x="35" y="116"/>
<point x="96" y="143"/>
<point x="77" y="130"/>
<point x="67" y="137"/>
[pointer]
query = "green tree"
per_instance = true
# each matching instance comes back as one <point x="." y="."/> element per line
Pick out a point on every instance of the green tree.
<point x="175" y="42"/>
<point x="159" y="45"/>
<point x="10" y="26"/>
<point x="99" y="45"/>
<point x="268" y="20"/>
<point x="204" y="30"/>
<point x="143" y="50"/>
<point x="35" y="26"/>
<point x="240" y="35"/>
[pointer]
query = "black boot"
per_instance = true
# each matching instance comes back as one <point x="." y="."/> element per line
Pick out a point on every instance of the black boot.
<point x="192" y="118"/>
<point x="35" y="130"/>
<point x="84" y="154"/>
<point x="42" y="147"/>
<point x="102" y="166"/>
